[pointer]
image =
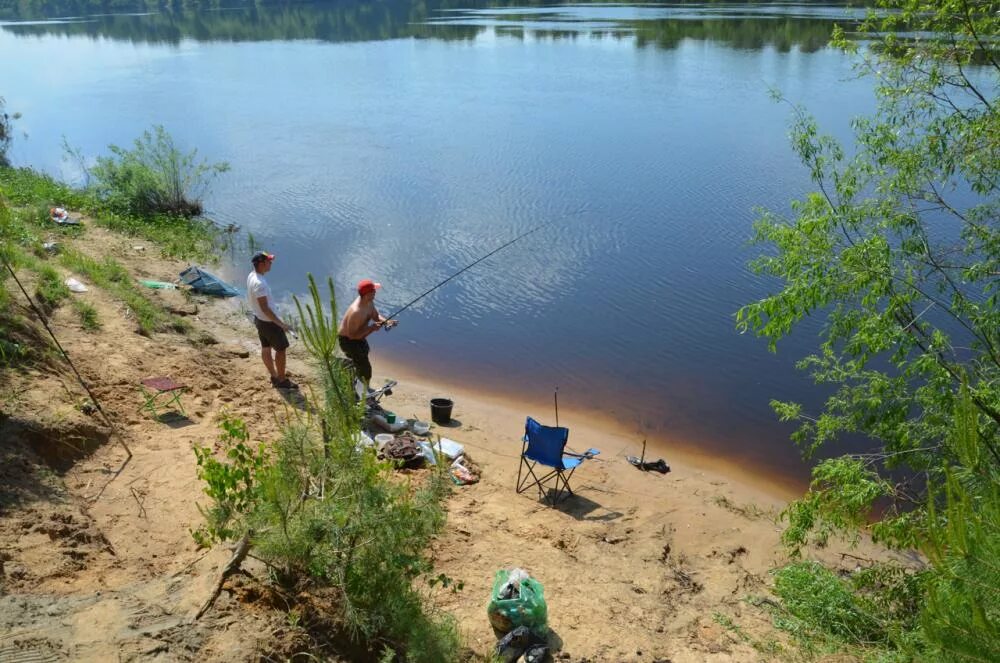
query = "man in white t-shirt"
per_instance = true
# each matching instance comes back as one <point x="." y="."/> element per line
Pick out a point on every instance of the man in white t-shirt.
<point x="270" y="329"/>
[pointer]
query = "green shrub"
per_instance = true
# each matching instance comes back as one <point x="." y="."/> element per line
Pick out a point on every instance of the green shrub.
<point x="822" y="602"/>
<point x="154" y="177"/>
<point x="323" y="512"/>
<point x="35" y="193"/>
<point x="24" y="187"/>
<point x="6" y="131"/>
<point x="960" y="614"/>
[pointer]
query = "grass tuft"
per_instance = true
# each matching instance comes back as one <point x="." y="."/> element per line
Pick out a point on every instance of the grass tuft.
<point x="114" y="278"/>
<point x="88" y="315"/>
<point x="50" y="292"/>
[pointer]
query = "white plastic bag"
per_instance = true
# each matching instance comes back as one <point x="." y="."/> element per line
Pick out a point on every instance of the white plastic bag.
<point x="449" y="448"/>
<point x="74" y="285"/>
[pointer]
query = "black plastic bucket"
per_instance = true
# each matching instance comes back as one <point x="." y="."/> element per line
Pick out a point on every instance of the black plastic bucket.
<point x="441" y="410"/>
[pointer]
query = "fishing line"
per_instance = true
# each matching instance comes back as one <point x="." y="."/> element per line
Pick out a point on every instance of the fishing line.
<point x="479" y="260"/>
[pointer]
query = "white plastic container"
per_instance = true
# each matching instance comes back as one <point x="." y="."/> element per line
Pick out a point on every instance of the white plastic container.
<point x="420" y="427"/>
<point x="383" y="439"/>
<point x="381" y="422"/>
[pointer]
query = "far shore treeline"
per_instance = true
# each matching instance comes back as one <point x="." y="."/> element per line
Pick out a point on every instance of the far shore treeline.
<point x="358" y="20"/>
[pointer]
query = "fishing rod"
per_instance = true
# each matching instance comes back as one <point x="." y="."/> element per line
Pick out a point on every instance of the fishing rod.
<point x="479" y="260"/>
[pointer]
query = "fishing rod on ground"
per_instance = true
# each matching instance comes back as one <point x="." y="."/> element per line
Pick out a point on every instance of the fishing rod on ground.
<point x="479" y="260"/>
<point x="83" y="383"/>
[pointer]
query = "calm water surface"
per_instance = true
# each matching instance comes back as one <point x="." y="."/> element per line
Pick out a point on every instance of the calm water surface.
<point x="402" y="141"/>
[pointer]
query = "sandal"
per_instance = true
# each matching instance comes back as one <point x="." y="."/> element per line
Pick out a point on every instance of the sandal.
<point x="283" y="384"/>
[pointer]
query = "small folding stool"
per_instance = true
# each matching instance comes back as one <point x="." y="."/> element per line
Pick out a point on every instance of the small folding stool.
<point x="162" y="392"/>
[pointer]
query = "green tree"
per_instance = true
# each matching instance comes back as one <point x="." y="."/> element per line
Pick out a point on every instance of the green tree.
<point x="899" y="249"/>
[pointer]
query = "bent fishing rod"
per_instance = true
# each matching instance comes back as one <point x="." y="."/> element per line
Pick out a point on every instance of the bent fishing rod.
<point x="479" y="260"/>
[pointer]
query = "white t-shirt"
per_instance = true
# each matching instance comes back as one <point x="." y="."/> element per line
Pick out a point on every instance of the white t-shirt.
<point x="257" y="287"/>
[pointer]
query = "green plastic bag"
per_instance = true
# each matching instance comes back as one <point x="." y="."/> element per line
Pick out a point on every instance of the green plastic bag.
<point x="527" y="608"/>
<point x="158" y="285"/>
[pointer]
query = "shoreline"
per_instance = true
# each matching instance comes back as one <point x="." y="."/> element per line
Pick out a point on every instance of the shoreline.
<point x="644" y="557"/>
<point x="505" y="415"/>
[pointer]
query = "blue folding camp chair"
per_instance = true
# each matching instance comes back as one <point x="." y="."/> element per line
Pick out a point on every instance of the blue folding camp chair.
<point x="546" y="446"/>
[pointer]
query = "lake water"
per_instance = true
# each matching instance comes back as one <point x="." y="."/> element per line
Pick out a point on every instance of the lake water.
<point x="401" y="141"/>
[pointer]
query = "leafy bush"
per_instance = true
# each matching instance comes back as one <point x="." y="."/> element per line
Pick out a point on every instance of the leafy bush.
<point x="820" y="600"/>
<point x="6" y="131"/>
<point x="323" y="512"/>
<point x="23" y="187"/>
<point x="154" y="177"/>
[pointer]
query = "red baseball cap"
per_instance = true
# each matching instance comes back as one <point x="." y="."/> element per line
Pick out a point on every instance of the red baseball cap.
<point x="367" y="285"/>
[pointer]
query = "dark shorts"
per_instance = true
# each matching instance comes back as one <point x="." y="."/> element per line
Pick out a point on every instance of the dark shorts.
<point x="357" y="352"/>
<point x="270" y="334"/>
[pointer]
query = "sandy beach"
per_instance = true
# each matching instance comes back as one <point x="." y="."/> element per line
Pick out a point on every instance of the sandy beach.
<point x="99" y="560"/>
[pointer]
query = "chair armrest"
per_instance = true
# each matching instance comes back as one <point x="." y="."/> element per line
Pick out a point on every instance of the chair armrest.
<point x="589" y="453"/>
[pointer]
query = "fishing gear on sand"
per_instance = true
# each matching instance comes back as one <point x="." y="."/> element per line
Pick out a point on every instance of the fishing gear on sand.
<point x="474" y="263"/>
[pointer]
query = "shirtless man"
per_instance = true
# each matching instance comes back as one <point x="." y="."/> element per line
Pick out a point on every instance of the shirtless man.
<point x="360" y="320"/>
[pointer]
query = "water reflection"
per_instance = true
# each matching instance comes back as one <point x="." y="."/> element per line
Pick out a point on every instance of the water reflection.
<point x="742" y="25"/>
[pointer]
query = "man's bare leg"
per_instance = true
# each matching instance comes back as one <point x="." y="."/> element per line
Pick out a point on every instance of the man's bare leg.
<point x="265" y="355"/>
<point x="279" y="365"/>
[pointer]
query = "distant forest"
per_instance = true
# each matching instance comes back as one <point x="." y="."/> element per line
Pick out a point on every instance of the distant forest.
<point x="170" y="21"/>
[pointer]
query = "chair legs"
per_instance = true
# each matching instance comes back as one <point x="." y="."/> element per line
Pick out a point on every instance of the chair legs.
<point x="560" y="491"/>
<point x="150" y="402"/>
<point x="151" y="398"/>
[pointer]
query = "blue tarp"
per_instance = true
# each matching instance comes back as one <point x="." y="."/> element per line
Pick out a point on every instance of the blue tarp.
<point x="206" y="283"/>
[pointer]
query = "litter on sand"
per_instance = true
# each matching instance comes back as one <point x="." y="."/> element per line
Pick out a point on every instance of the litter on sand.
<point x="517" y="600"/>
<point x="464" y="471"/>
<point x="382" y="422"/>
<point x="158" y="285"/>
<point x="62" y="217"/>
<point x="74" y="285"/>
<point x="427" y="452"/>
<point x="450" y="448"/>
<point x="404" y="450"/>
<point x="648" y="465"/>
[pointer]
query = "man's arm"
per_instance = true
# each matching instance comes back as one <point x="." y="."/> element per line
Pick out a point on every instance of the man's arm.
<point x="271" y="315"/>
<point x="381" y="321"/>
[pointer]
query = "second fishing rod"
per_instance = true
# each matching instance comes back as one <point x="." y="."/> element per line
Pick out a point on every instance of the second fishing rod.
<point x="479" y="260"/>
